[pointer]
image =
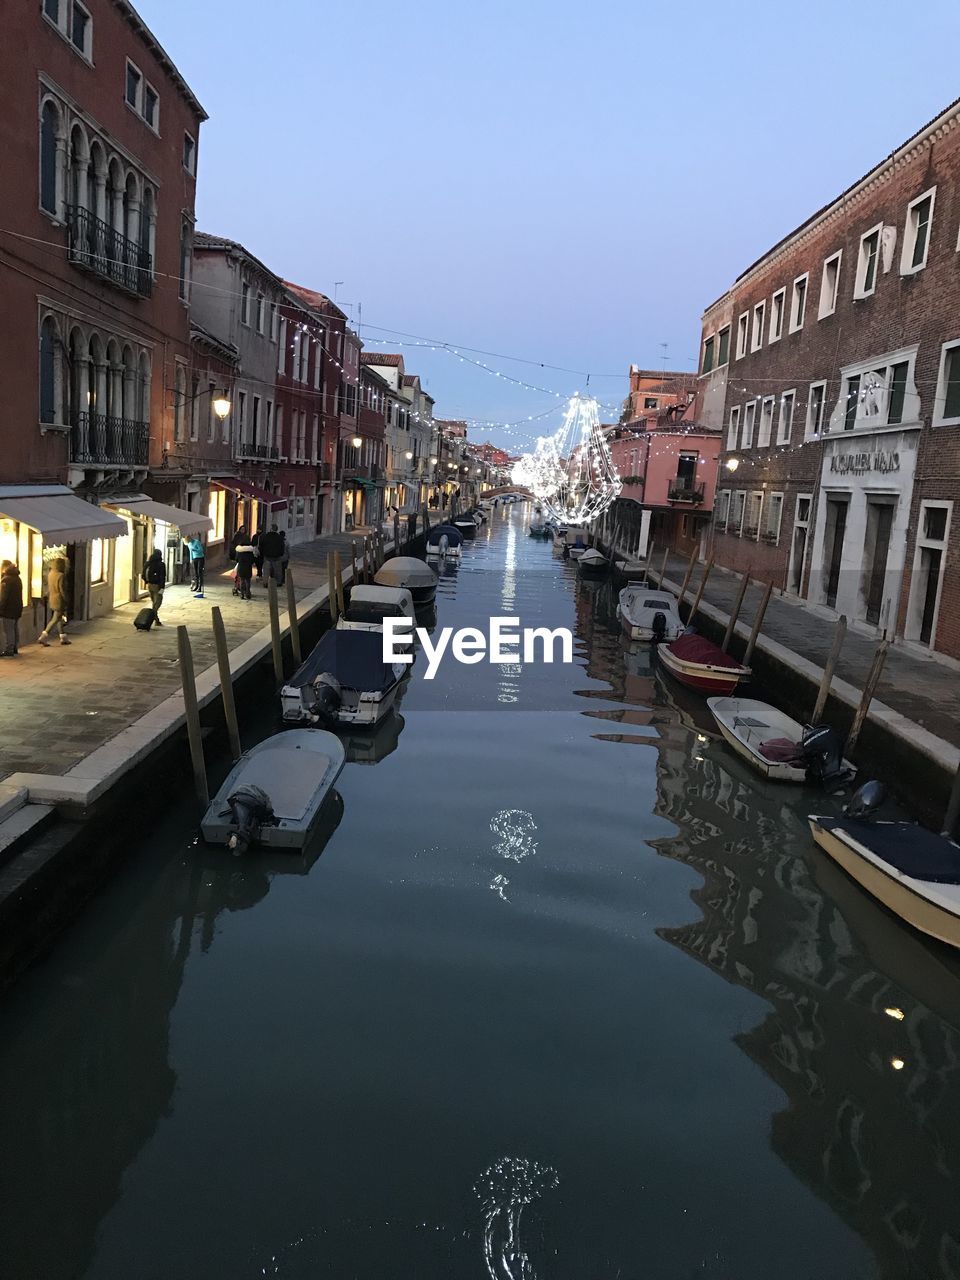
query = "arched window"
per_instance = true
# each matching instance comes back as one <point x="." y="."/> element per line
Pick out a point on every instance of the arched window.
<point x="48" y="369"/>
<point x="49" y="160"/>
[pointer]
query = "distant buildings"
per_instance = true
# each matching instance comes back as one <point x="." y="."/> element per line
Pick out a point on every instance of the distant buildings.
<point x="832" y="366"/>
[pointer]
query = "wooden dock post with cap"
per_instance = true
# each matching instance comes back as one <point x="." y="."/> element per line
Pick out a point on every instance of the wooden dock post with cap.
<point x="735" y="613"/>
<point x="828" y="670"/>
<point x="226" y="682"/>
<point x="702" y="588"/>
<point x="294" y="620"/>
<point x="188" y="683"/>
<point x="331" y="589"/>
<point x="338" y="580"/>
<point x="275" y="630"/>
<point x="686" y="577"/>
<point x="869" y="689"/>
<point x="663" y="567"/>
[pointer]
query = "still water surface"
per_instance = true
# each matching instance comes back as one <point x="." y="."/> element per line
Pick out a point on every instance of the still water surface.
<point x="569" y="994"/>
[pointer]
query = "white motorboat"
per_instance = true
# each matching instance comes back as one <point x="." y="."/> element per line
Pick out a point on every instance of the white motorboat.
<point x="444" y="542"/>
<point x="416" y="576"/>
<point x="912" y="871"/>
<point x="648" y="614"/>
<point x="274" y="794"/>
<point x="369" y="605"/>
<point x="778" y="746"/>
<point x="344" y="681"/>
<point x="593" y="564"/>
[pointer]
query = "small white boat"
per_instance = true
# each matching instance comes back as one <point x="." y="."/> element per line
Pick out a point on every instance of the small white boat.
<point x="444" y="542"/>
<point x="912" y="871"/>
<point x="593" y="564"/>
<point x="344" y="681"/>
<point x="648" y="614"/>
<point x="768" y="739"/>
<point x="274" y="794"/>
<point x="416" y="576"/>
<point x="369" y="605"/>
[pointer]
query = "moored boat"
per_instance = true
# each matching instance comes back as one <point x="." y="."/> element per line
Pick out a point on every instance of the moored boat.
<point x="700" y="664"/>
<point x="649" y="614"/>
<point x="343" y="681"/>
<point x="369" y="605"/>
<point x="444" y="541"/>
<point x="274" y="794"/>
<point x="776" y="745"/>
<point x="416" y="576"/>
<point x="912" y="871"/>
<point x="593" y="564"/>
<point x="467" y="527"/>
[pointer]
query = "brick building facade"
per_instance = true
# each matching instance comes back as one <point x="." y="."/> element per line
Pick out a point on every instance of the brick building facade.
<point x="833" y="368"/>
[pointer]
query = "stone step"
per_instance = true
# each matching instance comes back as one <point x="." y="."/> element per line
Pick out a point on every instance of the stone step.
<point x="11" y="799"/>
<point x="21" y="826"/>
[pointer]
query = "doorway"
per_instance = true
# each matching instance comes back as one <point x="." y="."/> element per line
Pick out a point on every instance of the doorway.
<point x="835" y="531"/>
<point x="929" y="573"/>
<point x="876" y="549"/>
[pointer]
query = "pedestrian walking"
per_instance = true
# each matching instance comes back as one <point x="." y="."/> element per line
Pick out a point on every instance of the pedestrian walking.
<point x="197" y="561"/>
<point x="246" y="556"/>
<point x="257" y="553"/>
<point x="155" y="578"/>
<point x="240" y="539"/>
<point x="57" y="597"/>
<point x="272" y="545"/>
<point x="11" y="608"/>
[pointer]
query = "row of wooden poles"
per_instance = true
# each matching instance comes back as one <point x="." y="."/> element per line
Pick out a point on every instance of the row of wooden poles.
<point x="366" y="557"/>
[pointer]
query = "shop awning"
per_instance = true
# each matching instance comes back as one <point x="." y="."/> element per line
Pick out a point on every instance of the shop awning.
<point x="139" y="504"/>
<point x="56" y="513"/>
<point x="361" y="482"/>
<point x="248" y="490"/>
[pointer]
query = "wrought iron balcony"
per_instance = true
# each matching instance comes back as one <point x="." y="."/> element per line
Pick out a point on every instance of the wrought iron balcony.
<point x="97" y="247"/>
<point x="256" y="453"/>
<point x="683" y="491"/>
<point x="96" y="440"/>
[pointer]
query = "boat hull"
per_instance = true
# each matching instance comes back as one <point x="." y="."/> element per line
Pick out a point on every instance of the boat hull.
<point x="929" y="917"/>
<point x="633" y="631"/>
<point x="468" y="528"/>
<point x="702" y="676"/>
<point x="775" y="770"/>
<point x="361" y="710"/>
<point x="437" y="553"/>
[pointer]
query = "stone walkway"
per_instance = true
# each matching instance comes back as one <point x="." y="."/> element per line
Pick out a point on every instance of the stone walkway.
<point x="923" y="689"/>
<point x="59" y="704"/>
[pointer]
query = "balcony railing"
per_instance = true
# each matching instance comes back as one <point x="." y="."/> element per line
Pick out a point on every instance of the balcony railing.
<point x="682" y="491"/>
<point x="256" y="453"/>
<point x="97" y="247"/>
<point x="96" y="440"/>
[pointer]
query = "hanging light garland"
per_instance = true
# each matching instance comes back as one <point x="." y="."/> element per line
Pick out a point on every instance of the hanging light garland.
<point x="572" y="473"/>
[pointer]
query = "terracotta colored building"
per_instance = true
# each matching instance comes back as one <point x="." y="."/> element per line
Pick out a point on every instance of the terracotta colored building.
<point x="94" y="272"/>
<point x="833" y="367"/>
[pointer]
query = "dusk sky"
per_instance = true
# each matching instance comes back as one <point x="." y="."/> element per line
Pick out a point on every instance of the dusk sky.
<point x="569" y="183"/>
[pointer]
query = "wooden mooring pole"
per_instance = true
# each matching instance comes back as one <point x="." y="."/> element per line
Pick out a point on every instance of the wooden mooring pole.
<point x="757" y="624"/>
<point x="828" y="670"/>
<point x="702" y="588"/>
<point x="275" y="630"/>
<point x="188" y="682"/>
<point x="338" y="580"/>
<point x="294" y="620"/>
<point x="226" y="682"/>
<point x="396" y="535"/>
<point x="331" y="589"/>
<point x="686" y="577"/>
<point x="735" y="614"/>
<point x="869" y="689"/>
<point x="663" y="566"/>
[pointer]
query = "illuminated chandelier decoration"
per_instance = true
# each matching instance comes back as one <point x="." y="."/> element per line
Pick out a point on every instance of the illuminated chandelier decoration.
<point x="573" y="472"/>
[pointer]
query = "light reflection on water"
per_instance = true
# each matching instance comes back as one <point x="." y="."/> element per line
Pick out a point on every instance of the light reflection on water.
<point x="302" y="1066"/>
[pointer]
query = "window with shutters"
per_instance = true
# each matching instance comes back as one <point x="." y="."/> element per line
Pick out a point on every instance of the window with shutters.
<point x="916" y="233"/>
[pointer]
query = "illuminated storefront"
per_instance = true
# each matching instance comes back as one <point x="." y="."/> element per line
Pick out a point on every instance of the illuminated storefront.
<point x="152" y="526"/>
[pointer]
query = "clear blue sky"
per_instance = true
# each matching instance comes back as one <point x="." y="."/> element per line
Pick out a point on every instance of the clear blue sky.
<point x="570" y="182"/>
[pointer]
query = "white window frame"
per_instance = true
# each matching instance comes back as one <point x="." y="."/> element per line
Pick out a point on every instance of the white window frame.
<point x="733" y="427"/>
<point x="274" y="322"/>
<point x="756" y="331"/>
<point x="796" y="320"/>
<point x="739" y="497"/>
<point x="811" y="430"/>
<point x="798" y="524"/>
<point x="910" y="227"/>
<point x="711" y="338"/>
<point x="749" y="424"/>
<point x="751" y="494"/>
<point x="940" y="399"/>
<point x="191" y="168"/>
<point x="827" y="308"/>
<point x="858" y="287"/>
<point x="153" y="125"/>
<point x="720" y="332"/>
<point x="260" y="311"/>
<point x="722" y="506"/>
<point x="776" y="314"/>
<point x="913" y="617"/>
<point x="245" y="303"/>
<point x="282" y="340"/>
<point x="911" y="399"/>
<point x="767" y="411"/>
<point x="137" y="104"/>
<point x="790" y="395"/>
<point x="766" y="507"/>
<point x="743" y="333"/>
<point x="64" y="27"/>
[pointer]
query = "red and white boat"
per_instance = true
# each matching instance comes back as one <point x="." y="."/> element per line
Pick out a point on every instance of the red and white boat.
<point x="700" y="664"/>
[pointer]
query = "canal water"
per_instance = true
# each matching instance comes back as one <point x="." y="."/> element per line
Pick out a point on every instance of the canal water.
<point x="568" y="993"/>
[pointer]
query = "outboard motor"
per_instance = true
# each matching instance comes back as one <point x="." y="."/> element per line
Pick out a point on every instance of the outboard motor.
<point x="822" y="752"/>
<point x="866" y="801"/>
<point x="327" y="698"/>
<point x="250" y="809"/>
<point x="659" y="627"/>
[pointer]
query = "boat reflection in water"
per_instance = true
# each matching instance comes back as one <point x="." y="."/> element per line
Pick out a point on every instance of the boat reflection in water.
<point x="372" y="746"/>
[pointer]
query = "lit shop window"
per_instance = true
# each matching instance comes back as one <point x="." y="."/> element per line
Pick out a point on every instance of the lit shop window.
<point x="98" y="561"/>
<point x="217" y="513"/>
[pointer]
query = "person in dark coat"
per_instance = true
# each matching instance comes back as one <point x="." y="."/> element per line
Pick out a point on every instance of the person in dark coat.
<point x="246" y="556"/>
<point x="58" y="593"/>
<point x="257" y="553"/>
<point x="155" y="577"/>
<point x="240" y="539"/>
<point x="271" y="549"/>
<point x="11" y="608"/>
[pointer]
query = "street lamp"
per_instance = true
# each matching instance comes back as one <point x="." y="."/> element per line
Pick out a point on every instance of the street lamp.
<point x="732" y="464"/>
<point x="221" y="404"/>
<point x="356" y="442"/>
<point x="409" y="455"/>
